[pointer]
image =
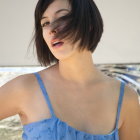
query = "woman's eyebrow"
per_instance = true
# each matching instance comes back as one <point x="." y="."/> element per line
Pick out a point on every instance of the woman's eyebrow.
<point x="57" y="12"/>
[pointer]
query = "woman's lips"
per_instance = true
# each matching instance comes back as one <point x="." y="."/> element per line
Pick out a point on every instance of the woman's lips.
<point x="58" y="45"/>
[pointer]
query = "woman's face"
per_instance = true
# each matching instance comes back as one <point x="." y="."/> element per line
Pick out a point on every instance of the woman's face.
<point x="49" y="16"/>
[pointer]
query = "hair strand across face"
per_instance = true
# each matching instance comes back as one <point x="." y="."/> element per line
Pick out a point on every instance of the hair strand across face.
<point x="83" y="22"/>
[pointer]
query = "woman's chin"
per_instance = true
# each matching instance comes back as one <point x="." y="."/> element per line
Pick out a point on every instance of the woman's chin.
<point x="63" y="56"/>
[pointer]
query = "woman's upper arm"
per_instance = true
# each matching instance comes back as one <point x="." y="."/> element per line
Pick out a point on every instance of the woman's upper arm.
<point x="11" y="95"/>
<point x="130" y="129"/>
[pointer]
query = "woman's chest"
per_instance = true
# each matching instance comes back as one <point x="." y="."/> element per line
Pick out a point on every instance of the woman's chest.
<point x="94" y="114"/>
<point x="80" y="109"/>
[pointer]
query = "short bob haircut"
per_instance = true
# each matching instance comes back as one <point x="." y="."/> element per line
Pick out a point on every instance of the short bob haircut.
<point x="83" y="22"/>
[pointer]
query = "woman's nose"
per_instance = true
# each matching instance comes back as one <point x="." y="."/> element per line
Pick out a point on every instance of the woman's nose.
<point x="53" y="32"/>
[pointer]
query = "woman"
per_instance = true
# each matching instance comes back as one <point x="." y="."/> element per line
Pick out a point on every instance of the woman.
<point x="72" y="99"/>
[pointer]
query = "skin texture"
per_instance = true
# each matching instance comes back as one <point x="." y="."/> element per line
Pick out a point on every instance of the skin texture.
<point x="73" y="66"/>
<point x="79" y="69"/>
<point x="75" y="86"/>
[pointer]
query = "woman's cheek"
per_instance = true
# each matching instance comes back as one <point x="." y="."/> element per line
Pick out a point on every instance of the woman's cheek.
<point x="45" y="36"/>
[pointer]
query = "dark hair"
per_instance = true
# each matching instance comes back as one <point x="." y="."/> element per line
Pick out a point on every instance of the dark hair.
<point x="83" y="22"/>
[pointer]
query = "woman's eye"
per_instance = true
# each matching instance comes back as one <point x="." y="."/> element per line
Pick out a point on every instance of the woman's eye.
<point x="46" y="23"/>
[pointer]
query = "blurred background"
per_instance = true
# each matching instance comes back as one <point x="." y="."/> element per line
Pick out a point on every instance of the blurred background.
<point x="117" y="54"/>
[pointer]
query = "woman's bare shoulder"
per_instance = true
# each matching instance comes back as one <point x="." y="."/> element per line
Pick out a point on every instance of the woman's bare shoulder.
<point x="28" y="82"/>
<point x="23" y="85"/>
<point x="131" y="105"/>
<point x="19" y="83"/>
<point x="14" y="93"/>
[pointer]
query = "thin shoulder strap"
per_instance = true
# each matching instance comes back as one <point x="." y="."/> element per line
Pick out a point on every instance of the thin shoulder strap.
<point x="120" y="102"/>
<point x="43" y="89"/>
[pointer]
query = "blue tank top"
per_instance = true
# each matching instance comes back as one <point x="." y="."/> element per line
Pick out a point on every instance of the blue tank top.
<point x="54" y="128"/>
